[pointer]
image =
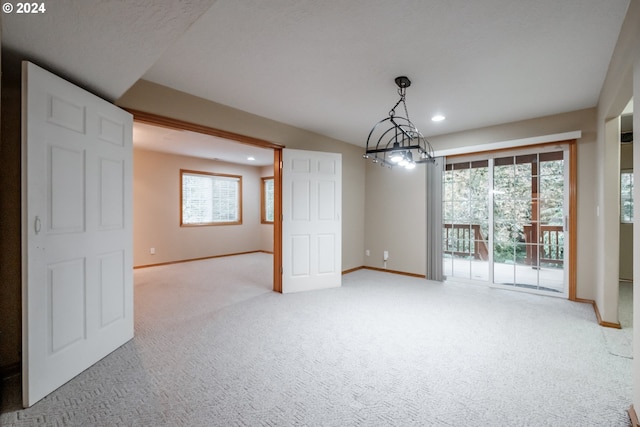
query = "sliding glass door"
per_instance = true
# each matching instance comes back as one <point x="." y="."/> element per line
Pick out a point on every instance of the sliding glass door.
<point x="505" y="219"/>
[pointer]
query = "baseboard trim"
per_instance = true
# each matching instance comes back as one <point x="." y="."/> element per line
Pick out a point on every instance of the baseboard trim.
<point x="10" y="370"/>
<point x="351" y="270"/>
<point x="402" y="273"/>
<point x="384" y="270"/>
<point x="633" y="416"/>
<point x="600" y="321"/>
<point x="199" y="259"/>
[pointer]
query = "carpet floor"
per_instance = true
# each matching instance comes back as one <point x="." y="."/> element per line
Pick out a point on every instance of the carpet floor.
<point x="215" y="347"/>
<point x="619" y="342"/>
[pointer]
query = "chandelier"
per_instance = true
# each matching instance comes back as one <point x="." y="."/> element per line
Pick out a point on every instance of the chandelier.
<point x="395" y="140"/>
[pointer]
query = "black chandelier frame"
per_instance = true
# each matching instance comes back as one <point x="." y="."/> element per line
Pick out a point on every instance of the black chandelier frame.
<point x="394" y="140"/>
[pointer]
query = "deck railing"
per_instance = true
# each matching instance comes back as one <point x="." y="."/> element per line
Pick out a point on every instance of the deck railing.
<point x="465" y="240"/>
<point x="549" y="246"/>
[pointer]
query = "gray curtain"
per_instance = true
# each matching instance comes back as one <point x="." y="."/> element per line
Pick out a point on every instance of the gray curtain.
<point x="434" y="219"/>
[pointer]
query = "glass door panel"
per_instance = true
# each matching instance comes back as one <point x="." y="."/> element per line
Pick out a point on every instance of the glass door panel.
<point x="552" y="220"/>
<point x="465" y="210"/>
<point x="528" y="221"/>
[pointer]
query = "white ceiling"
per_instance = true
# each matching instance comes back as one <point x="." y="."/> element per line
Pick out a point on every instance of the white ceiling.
<point x="105" y="46"/>
<point x="183" y="142"/>
<point x="328" y="66"/>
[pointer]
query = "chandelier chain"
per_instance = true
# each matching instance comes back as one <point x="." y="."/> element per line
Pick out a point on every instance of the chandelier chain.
<point x="402" y="91"/>
<point x="406" y="112"/>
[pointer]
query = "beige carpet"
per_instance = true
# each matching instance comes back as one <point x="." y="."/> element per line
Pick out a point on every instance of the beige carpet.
<point x="383" y="350"/>
<point x="619" y="342"/>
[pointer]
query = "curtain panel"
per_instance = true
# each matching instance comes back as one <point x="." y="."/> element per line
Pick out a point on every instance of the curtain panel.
<point x="434" y="219"/>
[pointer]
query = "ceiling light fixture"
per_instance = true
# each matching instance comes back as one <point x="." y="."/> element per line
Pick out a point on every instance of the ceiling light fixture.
<point x="393" y="140"/>
<point x="437" y="118"/>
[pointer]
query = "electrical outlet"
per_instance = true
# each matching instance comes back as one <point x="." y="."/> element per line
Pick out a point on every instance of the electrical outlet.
<point x="367" y="252"/>
<point x="385" y="255"/>
<point x="152" y="251"/>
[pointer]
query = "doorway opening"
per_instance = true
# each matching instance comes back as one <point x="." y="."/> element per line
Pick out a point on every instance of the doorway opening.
<point x="233" y="154"/>
<point x="625" y="296"/>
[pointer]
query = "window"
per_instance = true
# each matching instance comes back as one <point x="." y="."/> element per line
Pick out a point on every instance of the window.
<point x="626" y="196"/>
<point x="267" y="200"/>
<point x="210" y="199"/>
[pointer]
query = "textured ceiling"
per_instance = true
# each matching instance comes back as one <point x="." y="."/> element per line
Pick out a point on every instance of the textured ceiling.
<point x="328" y="66"/>
<point x="105" y="46"/>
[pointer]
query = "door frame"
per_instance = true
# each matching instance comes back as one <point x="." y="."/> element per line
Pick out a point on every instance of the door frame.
<point x="167" y="122"/>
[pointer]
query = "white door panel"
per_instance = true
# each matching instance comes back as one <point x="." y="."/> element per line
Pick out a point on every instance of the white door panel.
<point x="311" y="227"/>
<point x="77" y="231"/>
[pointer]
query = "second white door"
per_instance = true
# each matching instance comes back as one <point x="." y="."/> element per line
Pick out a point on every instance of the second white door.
<point x="311" y="223"/>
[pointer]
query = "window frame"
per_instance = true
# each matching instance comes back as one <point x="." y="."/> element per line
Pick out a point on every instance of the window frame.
<point x="213" y="175"/>
<point x="263" y="199"/>
<point x="629" y="197"/>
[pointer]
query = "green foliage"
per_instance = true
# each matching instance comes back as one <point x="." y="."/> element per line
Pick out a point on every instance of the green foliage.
<point x="523" y="190"/>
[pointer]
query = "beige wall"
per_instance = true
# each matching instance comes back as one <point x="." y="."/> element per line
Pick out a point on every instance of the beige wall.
<point x="621" y="83"/>
<point x="156" y="99"/>
<point x="395" y="220"/>
<point x="156" y="211"/>
<point x="617" y="89"/>
<point x="395" y="198"/>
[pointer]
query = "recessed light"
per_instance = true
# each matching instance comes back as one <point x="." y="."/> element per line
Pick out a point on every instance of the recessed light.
<point x="251" y="159"/>
<point x="438" y="118"/>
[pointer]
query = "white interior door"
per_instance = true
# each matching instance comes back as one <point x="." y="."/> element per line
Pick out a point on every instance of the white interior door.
<point x="77" y="290"/>
<point x="312" y="224"/>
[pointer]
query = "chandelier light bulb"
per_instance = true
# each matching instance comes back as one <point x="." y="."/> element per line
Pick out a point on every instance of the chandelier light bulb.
<point x="396" y="157"/>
